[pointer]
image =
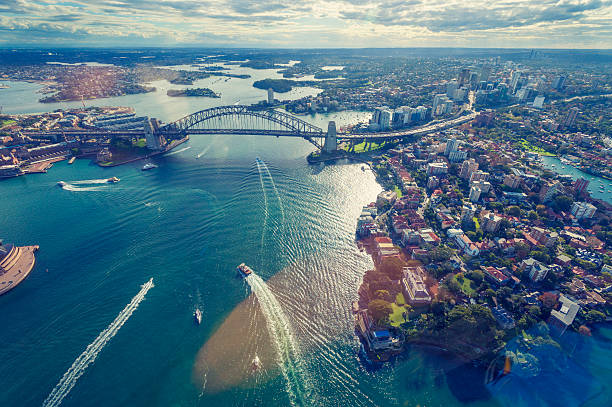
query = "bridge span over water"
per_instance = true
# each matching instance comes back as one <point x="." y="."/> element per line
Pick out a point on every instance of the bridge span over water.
<point x="249" y="120"/>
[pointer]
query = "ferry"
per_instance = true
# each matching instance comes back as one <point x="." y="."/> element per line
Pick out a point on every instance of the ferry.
<point x="148" y="166"/>
<point x="113" y="180"/>
<point x="198" y="316"/>
<point x="244" y="270"/>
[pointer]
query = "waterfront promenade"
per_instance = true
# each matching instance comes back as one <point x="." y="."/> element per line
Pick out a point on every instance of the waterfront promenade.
<point x="15" y="266"/>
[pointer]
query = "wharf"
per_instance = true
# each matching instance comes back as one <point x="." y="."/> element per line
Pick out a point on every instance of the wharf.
<point x="16" y="266"/>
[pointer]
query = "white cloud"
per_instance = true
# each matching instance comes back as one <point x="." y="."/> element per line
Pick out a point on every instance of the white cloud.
<point x="354" y="23"/>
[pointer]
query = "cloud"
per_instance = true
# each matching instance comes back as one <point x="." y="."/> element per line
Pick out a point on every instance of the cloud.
<point x="354" y="23"/>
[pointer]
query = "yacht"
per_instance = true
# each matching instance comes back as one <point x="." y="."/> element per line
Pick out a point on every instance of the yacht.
<point x="244" y="270"/>
<point x="148" y="166"/>
<point x="198" y="316"/>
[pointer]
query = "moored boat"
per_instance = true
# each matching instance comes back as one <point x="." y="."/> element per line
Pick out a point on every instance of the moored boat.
<point x="244" y="270"/>
<point x="198" y="316"/>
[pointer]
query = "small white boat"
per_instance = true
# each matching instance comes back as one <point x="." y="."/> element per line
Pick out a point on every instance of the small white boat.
<point x="61" y="183"/>
<point x="198" y="316"/>
<point x="148" y="166"/>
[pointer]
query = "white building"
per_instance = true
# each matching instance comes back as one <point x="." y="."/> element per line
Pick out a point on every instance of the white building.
<point x="437" y="168"/>
<point x="451" y="145"/>
<point x="583" y="210"/>
<point x="538" y="102"/>
<point x="270" y="96"/>
<point x="475" y="193"/>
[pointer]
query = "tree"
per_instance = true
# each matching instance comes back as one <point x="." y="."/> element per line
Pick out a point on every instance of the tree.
<point x="441" y="254"/>
<point x="476" y="276"/>
<point x="594" y="316"/>
<point x="522" y="250"/>
<point x="392" y="267"/>
<point x="380" y="310"/>
<point x="563" y="202"/>
<point x="513" y="211"/>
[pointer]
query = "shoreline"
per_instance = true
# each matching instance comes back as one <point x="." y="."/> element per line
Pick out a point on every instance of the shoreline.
<point x="17" y="266"/>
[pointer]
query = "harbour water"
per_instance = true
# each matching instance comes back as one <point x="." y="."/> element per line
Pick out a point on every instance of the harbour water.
<point x="186" y="225"/>
<point x="595" y="183"/>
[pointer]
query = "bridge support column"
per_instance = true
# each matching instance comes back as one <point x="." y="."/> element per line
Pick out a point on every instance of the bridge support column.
<point x="331" y="142"/>
<point x="153" y="139"/>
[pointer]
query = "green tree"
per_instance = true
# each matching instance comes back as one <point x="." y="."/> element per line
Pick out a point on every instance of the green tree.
<point x="380" y="310"/>
<point x="392" y="267"/>
<point x="563" y="202"/>
<point x="513" y="211"/>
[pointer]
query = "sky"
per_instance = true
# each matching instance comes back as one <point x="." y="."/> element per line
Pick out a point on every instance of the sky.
<point x="308" y="24"/>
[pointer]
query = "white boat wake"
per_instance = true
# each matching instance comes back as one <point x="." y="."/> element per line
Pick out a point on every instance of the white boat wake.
<point x="71" y="187"/>
<point x="288" y="354"/>
<point x="90" y="181"/>
<point x="262" y="164"/>
<point x="177" y="151"/>
<point x="67" y="382"/>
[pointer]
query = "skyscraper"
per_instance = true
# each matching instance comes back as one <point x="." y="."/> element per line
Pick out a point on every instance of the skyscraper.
<point x="270" y="96"/>
<point x="570" y="118"/>
<point x="581" y="185"/>
<point x="485" y="72"/>
<point x="451" y="145"/>
<point x="559" y="82"/>
<point x="464" y="76"/>
<point x="514" y="81"/>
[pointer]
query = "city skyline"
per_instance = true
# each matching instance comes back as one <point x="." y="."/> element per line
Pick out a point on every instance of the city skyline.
<point x="348" y="23"/>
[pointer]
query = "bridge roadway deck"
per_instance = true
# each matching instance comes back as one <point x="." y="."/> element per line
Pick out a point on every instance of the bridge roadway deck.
<point x="259" y="132"/>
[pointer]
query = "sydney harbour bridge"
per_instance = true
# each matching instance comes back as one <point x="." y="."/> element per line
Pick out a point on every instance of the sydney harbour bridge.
<point x="247" y="120"/>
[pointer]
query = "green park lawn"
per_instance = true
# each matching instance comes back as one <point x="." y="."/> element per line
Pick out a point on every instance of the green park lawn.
<point x="466" y="285"/>
<point x="396" y="318"/>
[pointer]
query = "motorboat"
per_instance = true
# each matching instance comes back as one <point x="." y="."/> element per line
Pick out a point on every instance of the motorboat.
<point x="255" y="364"/>
<point x="244" y="270"/>
<point x="61" y="183"/>
<point x="148" y="166"/>
<point x="113" y="180"/>
<point x="198" y="316"/>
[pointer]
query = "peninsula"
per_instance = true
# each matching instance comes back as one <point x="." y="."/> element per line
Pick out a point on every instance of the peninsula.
<point x="16" y="263"/>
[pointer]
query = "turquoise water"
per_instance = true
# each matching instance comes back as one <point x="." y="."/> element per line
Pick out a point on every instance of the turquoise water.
<point x="186" y="225"/>
<point x="594" y="182"/>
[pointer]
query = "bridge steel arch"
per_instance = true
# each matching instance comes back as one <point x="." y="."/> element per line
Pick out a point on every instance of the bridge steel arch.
<point x="293" y="126"/>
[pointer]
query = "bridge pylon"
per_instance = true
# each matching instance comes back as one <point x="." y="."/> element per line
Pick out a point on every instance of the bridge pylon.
<point x="331" y="140"/>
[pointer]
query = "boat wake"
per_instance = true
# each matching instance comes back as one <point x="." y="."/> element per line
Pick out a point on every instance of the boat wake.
<point x="287" y="352"/>
<point x="177" y="151"/>
<point x="74" y="188"/>
<point x="205" y="150"/>
<point x="90" y="181"/>
<point x="67" y="382"/>
<point x="262" y="164"/>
